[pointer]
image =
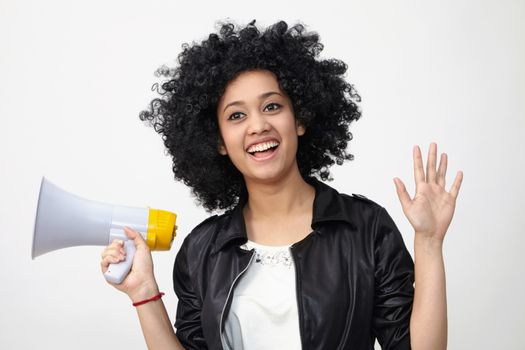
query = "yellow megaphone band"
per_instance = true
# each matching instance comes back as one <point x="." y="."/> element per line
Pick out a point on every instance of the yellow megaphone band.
<point x="161" y="229"/>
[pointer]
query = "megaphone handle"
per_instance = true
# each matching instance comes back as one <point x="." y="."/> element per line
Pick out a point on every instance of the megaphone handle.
<point x="116" y="273"/>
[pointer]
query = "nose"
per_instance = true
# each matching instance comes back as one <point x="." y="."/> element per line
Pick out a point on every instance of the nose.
<point x="258" y="124"/>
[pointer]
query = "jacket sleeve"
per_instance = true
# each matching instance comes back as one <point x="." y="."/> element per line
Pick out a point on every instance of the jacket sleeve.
<point x="394" y="285"/>
<point x="188" y="319"/>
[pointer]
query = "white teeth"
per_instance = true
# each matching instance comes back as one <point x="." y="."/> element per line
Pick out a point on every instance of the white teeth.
<point x="260" y="147"/>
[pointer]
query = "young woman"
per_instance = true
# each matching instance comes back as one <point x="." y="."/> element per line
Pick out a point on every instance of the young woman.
<point x="250" y="119"/>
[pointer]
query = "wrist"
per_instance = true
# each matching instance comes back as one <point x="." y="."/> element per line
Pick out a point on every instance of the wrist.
<point x="144" y="291"/>
<point x="427" y="243"/>
<point x="145" y="301"/>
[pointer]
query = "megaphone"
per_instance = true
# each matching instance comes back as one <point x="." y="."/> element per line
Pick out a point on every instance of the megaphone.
<point x="65" y="220"/>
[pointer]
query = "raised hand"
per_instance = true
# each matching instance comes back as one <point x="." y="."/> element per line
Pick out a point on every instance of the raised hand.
<point x="430" y="211"/>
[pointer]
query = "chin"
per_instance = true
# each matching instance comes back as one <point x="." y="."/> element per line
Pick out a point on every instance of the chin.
<point x="268" y="175"/>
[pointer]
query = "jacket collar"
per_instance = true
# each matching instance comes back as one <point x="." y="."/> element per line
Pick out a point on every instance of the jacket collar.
<point x="328" y="206"/>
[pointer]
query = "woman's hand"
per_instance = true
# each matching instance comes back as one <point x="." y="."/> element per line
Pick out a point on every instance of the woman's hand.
<point x="430" y="211"/>
<point x="140" y="283"/>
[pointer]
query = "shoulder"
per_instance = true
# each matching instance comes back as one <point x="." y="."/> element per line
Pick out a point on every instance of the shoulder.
<point x="331" y="205"/>
<point x="198" y="243"/>
<point x="373" y="223"/>
<point x="206" y="225"/>
<point x="357" y="199"/>
<point x="374" y="216"/>
<point x="359" y="205"/>
<point x="363" y="208"/>
<point x="206" y="230"/>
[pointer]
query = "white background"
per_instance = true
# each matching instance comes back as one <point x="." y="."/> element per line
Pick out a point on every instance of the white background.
<point x="74" y="76"/>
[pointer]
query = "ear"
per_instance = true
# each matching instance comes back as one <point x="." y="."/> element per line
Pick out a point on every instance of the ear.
<point x="299" y="127"/>
<point x="221" y="148"/>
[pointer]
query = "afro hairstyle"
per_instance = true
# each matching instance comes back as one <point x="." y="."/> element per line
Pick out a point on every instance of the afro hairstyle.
<point x="184" y="113"/>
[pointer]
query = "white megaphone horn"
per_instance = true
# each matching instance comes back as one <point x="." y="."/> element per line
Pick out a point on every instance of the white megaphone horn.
<point x="66" y="220"/>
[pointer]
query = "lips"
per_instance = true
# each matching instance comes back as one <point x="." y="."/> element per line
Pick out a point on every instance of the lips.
<point x="263" y="156"/>
<point x="262" y="145"/>
<point x="263" y="149"/>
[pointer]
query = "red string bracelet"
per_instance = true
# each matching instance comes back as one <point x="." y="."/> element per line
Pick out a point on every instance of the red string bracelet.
<point x="156" y="297"/>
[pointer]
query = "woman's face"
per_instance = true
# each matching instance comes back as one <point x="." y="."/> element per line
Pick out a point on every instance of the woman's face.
<point x="258" y="128"/>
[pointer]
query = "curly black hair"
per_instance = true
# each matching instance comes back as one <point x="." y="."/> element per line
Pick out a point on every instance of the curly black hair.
<point x="185" y="112"/>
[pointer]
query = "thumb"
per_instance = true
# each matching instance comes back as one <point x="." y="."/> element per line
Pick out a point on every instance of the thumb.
<point x="402" y="193"/>
<point x="135" y="236"/>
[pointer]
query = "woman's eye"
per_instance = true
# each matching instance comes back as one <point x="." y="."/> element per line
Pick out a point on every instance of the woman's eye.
<point x="235" y="116"/>
<point x="272" y="107"/>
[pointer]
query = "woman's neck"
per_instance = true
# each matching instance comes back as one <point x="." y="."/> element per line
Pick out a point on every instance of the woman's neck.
<point x="290" y="195"/>
<point x="280" y="212"/>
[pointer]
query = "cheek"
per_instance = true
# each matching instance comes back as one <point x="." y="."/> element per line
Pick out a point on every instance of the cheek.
<point x="290" y="128"/>
<point x="225" y="137"/>
<point x="231" y="139"/>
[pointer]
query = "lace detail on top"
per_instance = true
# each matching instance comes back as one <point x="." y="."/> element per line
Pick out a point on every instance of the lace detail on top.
<point x="270" y="255"/>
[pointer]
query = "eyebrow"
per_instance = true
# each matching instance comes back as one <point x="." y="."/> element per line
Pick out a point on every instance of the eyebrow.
<point x="261" y="97"/>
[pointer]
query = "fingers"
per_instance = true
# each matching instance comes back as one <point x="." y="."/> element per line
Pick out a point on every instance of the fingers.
<point x="442" y="170"/>
<point x="454" y="190"/>
<point x="431" y="174"/>
<point x="419" y="173"/>
<point x="113" y="254"/>
<point x="431" y="163"/>
<point x="402" y="193"/>
<point x="116" y="248"/>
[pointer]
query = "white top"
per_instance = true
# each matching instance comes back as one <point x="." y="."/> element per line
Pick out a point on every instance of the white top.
<point x="263" y="313"/>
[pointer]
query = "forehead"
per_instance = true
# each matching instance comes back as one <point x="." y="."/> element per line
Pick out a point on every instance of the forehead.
<point x="250" y="84"/>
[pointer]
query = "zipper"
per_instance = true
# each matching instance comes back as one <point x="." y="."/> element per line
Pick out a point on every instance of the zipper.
<point x="300" y="307"/>
<point x="229" y="295"/>
<point x="298" y="296"/>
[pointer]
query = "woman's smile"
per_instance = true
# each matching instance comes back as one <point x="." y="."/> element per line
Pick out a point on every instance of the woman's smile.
<point x="264" y="149"/>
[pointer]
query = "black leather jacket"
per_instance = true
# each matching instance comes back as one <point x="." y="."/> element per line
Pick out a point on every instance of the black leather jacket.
<point x="354" y="276"/>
